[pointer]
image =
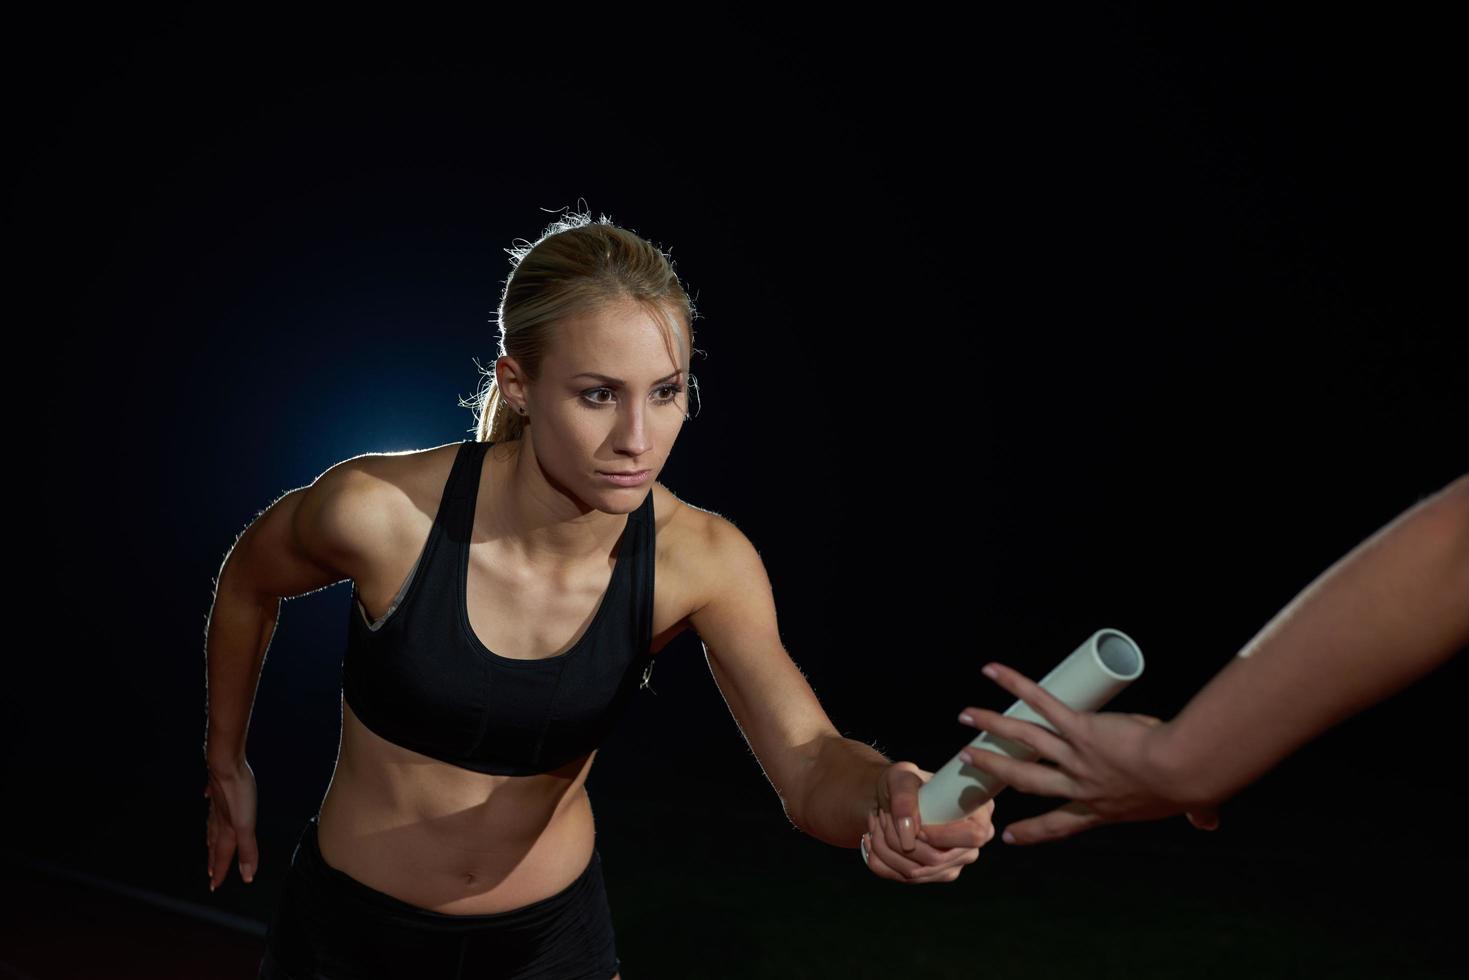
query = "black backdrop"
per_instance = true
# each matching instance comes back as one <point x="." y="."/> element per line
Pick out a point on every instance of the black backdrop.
<point x="1016" y="325"/>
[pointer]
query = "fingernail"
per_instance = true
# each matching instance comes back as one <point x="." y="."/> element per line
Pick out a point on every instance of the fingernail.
<point x="248" y="872"/>
<point x="1008" y="837"/>
<point x="965" y="720"/>
<point x="905" y="829"/>
<point x="966" y="758"/>
<point x="989" y="671"/>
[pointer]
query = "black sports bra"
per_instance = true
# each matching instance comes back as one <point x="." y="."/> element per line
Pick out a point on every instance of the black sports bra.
<point x="421" y="678"/>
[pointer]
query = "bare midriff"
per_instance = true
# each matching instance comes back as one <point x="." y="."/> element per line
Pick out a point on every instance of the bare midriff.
<point x="449" y="839"/>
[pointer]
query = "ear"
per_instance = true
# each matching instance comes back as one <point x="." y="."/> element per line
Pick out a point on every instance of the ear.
<point x="511" y="380"/>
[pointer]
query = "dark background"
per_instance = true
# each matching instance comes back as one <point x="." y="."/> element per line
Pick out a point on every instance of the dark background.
<point x="1016" y="325"/>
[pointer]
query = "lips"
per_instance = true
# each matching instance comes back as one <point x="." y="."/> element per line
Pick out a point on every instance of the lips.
<point x="623" y="472"/>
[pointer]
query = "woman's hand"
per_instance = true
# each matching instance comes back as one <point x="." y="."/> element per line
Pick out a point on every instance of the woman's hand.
<point x="899" y="846"/>
<point x="231" y="822"/>
<point x="1103" y="764"/>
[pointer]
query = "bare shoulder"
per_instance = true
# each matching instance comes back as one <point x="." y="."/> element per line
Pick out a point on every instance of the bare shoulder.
<point x="404" y="474"/>
<point x="701" y="550"/>
<point x="366" y="505"/>
<point x="340" y="525"/>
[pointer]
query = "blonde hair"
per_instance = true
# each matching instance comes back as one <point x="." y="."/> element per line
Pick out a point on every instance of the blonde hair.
<point x="577" y="266"/>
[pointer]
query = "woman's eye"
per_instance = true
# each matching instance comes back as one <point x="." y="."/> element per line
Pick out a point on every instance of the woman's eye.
<point x="667" y="394"/>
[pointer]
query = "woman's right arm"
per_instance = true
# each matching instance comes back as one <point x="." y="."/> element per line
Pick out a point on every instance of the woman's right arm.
<point x="311" y="537"/>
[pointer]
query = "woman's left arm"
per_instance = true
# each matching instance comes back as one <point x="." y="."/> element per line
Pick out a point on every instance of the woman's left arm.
<point x="832" y="788"/>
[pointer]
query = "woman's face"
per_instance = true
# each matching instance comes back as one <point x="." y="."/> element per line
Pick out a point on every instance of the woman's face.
<point x="611" y="399"/>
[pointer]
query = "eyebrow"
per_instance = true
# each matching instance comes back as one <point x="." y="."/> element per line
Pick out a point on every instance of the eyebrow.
<point x="619" y="381"/>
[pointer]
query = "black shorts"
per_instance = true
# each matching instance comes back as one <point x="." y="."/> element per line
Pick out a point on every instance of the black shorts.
<point x="330" y="926"/>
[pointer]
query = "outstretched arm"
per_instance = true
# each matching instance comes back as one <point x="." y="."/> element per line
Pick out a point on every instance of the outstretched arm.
<point x="1393" y="609"/>
<point x="833" y="788"/>
<point x="1389" y="612"/>
<point x="768" y="696"/>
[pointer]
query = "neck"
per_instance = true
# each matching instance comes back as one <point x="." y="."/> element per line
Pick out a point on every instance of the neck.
<point x="535" y="517"/>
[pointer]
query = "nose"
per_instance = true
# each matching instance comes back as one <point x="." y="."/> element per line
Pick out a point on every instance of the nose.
<point x="630" y="436"/>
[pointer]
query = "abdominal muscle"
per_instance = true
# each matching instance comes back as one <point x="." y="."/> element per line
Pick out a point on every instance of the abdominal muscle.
<point x="448" y="839"/>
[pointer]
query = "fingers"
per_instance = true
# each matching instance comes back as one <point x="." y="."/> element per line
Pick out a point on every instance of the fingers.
<point x="975" y="830"/>
<point x="229" y="835"/>
<point x="1046" y="743"/>
<point x="920" y="861"/>
<point x="877" y="866"/>
<point x="223" y="844"/>
<point x="1028" y="777"/>
<point x="923" y="864"/>
<point x="1060" y="823"/>
<point x="249" y="857"/>
<point x="903" y="784"/>
<point x="1041" y="701"/>
<point x="221" y="850"/>
<point x="887" y="842"/>
<point x="956" y="834"/>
